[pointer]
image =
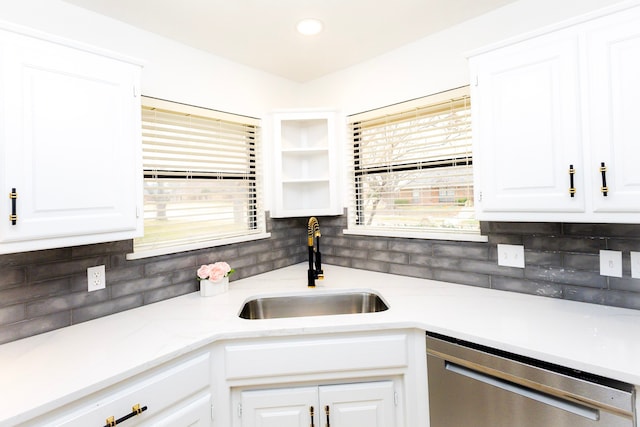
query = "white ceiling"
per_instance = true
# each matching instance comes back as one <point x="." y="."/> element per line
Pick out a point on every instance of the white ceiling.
<point x="261" y="33"/>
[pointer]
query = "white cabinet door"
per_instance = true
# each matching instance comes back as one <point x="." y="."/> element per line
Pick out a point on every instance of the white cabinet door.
<point x="70" y="142"/>
<point x="614" y="91"/>
<point x="288" y="407"/>
<point x="368" y="404"/>
<point x="358" y="405"/>
<point x="525" y="102"/>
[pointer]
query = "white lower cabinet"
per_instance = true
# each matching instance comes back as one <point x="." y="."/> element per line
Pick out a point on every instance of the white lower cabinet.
<point x="368" y="379"/>
<point x="173" y="395"/>
<point x="369" y="404"/>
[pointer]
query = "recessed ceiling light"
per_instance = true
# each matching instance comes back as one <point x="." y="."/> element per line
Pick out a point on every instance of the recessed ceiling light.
<point x="309" y="27"/>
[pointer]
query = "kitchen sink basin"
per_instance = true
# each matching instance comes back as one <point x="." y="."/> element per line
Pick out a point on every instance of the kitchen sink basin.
<point x="313" y="304"/>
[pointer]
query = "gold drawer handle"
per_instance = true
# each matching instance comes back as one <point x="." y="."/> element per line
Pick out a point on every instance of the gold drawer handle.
<point x="135" y="410"/>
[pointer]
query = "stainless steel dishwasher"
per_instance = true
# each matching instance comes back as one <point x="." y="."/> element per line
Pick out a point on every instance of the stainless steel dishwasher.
<point x="476" y="386"/>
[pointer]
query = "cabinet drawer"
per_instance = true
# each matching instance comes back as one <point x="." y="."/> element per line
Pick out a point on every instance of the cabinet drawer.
<point x="314" y="355"/>
<point x="158" y="390"/>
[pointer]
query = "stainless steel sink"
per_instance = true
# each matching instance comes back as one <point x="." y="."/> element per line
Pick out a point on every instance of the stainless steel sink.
<point x="313" y="304"/>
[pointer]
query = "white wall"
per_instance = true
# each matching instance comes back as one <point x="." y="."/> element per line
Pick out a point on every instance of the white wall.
<point x="172" y="71"/>
<point x="437" y="62"/>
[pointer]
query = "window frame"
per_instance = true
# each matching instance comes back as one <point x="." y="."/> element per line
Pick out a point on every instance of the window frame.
<point x="356" y="219"/>
<point x="256" y="227"/>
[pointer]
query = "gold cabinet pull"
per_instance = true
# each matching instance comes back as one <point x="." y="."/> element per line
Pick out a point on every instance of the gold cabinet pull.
<point x="14" y="199"/>
<point x="326" y="411"/>
<point x="135" y="410"/>
<point x="572" y="188"/>
<point x="603" y="171"/>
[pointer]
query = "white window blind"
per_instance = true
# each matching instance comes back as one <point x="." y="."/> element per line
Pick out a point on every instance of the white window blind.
<point x="202" y="176"/>
<point x="412" y="167"/>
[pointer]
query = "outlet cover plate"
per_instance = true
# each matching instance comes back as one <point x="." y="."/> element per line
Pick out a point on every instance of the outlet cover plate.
<point x="96" y="278"/>
<point x="611" y="263"/>
<point x="511" y="255"/>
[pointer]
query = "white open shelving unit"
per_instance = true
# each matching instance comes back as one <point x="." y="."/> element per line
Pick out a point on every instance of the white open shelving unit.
<point x="305" y="161"/>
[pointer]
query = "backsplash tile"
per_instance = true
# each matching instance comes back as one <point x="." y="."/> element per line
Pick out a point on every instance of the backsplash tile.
<point x="561" y="260"/>
<point x="45" y="290"/>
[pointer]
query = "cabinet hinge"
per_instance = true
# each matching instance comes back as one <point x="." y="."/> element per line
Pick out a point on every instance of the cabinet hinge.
<point x="395" y="398"/>
<point x="479" y="196"/>
<point x="239" y="410"/>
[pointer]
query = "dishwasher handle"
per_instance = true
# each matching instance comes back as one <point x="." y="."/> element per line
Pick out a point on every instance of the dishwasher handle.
<point x="574" y="408"/>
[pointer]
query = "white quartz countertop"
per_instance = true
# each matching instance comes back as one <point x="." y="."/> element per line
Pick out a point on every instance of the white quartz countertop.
<point x="42" y="372"/>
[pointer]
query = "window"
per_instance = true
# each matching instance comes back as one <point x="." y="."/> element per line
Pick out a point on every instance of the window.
<point x="201" y="178"/>
<point x="412" y="169"/>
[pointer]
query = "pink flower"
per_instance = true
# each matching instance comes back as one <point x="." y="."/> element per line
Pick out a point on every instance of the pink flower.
<point x="214" y="272"/>
<point x="218" y="271"/>
<point x="204" y="271"/>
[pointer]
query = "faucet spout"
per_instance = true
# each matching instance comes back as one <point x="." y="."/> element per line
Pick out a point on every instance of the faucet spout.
<point x="315" y="257"/>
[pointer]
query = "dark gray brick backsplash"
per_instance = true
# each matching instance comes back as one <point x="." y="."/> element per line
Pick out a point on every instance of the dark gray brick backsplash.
<point x="12" y="313"/>
<point x="44" y="290"/>
<point x="169" y="264"/>
<point x="411" y="271"/>
<point x="366" y="264"/>
<point x="587" y="279"/>
<point x="171" y="291"/>
<point x="94" y="311"/>
<point x="11" y="277"/>
<point x="522" y="228"/>
<point x="389" y="257"/>
<point x="43" y="307"/>
<point x="410" y="246"/>
<point x="462" y="277"/>
<point x="565" y="244"/>
<point x="548" y="259"/>
<point x="602" y="230"/>
<point x="38" y="325"/>
<point x="584" y="262"/>
<point x="544" y="289"/>
<point x="561" y="260"/>
<point x="467" y="251"/>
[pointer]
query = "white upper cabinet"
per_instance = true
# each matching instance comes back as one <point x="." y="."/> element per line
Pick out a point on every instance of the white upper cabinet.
<point x="69" y="143"/>
<point x="614" y="90"/>
<point x="305" y="164"/>
<point x="526" y="113"/>
<point x="548" y="112"/>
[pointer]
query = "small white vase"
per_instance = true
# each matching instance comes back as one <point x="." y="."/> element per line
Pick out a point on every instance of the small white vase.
<point x="209" y="288"/>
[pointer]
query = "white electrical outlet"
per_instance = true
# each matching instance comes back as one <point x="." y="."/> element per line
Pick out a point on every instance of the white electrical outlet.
<point x="611" y="263"/>
<point x="635" y="265"/>
<point x="96" y="278"/>
<point x="511" y="256"/>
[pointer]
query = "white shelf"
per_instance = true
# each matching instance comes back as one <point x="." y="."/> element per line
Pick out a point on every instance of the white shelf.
<point x="312" y="197"/>
<point x="305" y="164"/>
